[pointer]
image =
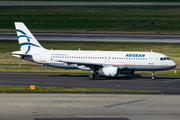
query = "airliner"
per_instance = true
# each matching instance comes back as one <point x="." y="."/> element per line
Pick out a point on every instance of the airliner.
<point x="100" y="63"/>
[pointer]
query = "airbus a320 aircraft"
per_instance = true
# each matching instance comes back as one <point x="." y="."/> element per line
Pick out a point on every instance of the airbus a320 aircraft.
<point x="102" y="63"/>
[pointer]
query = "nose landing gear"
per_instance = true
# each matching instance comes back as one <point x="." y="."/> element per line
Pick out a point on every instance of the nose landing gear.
<point x="153" y="76"/>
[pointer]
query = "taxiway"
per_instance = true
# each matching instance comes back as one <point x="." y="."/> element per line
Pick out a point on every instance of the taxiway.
<point x="89" y="106"/>
<point x="167" y="83"/>
<point x="97" y="37"/>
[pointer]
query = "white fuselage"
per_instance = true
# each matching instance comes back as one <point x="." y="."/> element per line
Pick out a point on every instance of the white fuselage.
<point x="124" y="60"/>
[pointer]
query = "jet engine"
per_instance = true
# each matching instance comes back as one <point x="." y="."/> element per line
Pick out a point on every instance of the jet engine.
<point x="108" y="71"/>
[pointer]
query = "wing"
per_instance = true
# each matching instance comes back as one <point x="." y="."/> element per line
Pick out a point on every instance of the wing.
<point x="93" y="66"/>
<point x="86" y="64"/>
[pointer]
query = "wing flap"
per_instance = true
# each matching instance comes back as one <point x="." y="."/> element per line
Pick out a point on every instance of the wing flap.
<point x="82" y="63"/>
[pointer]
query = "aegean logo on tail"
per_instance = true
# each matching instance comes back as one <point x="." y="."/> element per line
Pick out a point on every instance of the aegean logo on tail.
<point x="28" y="40"/>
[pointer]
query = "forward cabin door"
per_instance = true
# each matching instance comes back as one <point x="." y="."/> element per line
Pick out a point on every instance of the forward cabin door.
<point x="151" y="59"/>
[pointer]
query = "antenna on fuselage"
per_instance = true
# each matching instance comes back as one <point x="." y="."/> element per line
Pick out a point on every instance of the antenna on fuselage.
<point x="151" y="51"/>
<point x="79" y="49"/>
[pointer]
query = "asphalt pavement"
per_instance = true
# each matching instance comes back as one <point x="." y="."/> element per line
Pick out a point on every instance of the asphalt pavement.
<point x="97" y="37"/>
<point x="168" y="83"/>
<point x="89" y="106"/>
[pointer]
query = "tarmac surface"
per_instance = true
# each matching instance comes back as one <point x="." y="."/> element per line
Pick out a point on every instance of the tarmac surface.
<point x="168" y="83"/>
<point x="88" y="106"/>
<point x="44" y="3"/>
<point x="97" y="37"/>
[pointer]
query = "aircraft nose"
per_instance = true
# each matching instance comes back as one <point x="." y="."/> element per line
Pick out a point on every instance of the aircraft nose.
<point x="173" y="64"/>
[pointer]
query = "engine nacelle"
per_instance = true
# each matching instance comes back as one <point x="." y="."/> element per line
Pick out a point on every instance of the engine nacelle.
<point x="127" y="72"/>
<point x="108" y="71"/>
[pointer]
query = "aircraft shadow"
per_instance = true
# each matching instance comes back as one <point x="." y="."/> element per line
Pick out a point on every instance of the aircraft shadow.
<point x="97" y="77"/>
<point x="126" y="77"/>
<point x="69" y="75"/>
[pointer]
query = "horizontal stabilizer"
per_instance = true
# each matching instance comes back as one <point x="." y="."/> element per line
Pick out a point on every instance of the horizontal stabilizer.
<point x="21" y="53"/>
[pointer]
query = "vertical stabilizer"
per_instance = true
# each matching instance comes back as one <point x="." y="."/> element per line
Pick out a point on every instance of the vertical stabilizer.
<point x="27" y="41"/>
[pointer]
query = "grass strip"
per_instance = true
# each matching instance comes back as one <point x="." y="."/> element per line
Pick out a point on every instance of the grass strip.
<point x="40" y="69"/>
<point x="61" y="89"/>
<point x="60" y="70"/>
<point x="93" y="19"/>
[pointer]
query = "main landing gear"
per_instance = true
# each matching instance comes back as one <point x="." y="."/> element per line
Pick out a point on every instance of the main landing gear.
<point x="92" y="75"/>
<point x="153" y="76"/>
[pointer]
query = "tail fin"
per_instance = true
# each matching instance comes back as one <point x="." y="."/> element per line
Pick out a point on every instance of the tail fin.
<point x="26" y="40"/>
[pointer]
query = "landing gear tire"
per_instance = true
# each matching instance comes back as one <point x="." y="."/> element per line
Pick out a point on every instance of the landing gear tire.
<point x="153" y="77"/>
<point x="91" y="76"/>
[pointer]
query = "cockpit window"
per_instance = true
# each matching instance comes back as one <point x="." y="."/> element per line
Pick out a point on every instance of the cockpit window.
<point x="164" y="58"/>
